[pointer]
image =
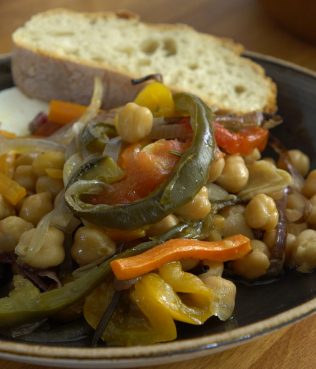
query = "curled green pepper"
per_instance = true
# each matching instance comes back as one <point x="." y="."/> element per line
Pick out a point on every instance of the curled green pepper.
<point x="188" y="177"/>
<point x="26" y="303"/>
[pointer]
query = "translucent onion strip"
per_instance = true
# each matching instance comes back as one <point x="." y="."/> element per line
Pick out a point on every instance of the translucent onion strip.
<point x="60" y="217"/>
<point x="24" y="145"/>
<point x="170" y="131"/>
<point x="113" y="148"/>
<point x="70" y="166"/>
<point x="95" y="103"/>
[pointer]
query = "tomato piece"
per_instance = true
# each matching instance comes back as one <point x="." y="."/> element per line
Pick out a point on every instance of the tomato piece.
<point x="145" y="168"/>
<point x="242" y="142"/>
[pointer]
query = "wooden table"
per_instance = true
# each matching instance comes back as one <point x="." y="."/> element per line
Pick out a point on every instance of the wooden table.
<point x="245" y="21"/>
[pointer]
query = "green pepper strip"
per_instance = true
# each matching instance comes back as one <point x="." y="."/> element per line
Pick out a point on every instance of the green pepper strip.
<point x="48" y="303"/>
<point x="188" y="177"/>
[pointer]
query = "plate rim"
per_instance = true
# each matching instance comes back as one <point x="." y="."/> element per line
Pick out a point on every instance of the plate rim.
<point x="170" y="351"/>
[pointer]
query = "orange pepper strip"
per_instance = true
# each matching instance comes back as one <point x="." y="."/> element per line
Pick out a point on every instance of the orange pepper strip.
<point x="11" y="190"/>
<point x="63" y="112"/>
<point x="7" y="134"/>
<point x="230" y="248"/>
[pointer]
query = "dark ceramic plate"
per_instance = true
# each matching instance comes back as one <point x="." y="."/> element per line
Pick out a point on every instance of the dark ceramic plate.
<point x="259" y="309"/>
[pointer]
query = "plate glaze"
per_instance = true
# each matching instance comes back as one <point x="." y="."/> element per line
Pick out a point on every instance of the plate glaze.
<point x="259" y="309"/>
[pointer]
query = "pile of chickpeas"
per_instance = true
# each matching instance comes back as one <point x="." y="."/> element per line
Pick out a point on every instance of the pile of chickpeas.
<point x="40" y="175"/>
<point x="18" y="223"/>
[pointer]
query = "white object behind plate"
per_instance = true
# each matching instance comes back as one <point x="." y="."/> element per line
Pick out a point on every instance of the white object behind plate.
<point x="17" y="111"/>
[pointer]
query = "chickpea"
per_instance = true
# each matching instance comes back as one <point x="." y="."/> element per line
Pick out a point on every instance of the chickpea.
<point x="215" y="268"/>
<point x="269" y="160"/>
<point x="300" y="161"/>
<point x="311" y="220"/>
<point x="313" y="200"/>
<point x="188" y="264"/>
<point x="34" y="207"/>
<point x="26" y="159"/>
<point x="296" y="228"/>
<point x="309" y="187"/>
<point x="134" y="122"/>
<point x="48" y="184"/>
<point x="261" y="212"/>
<point x="214" y="235"/>
<point x="218" y="226"/>
<point x="91" y="244"/>
<point x="269" y="239"/>
<point x="235" y="222"/>
<point x="216" y="169"/>
<point x="25" y="177"/>
<point x="163" y="225"/>
<point x="253" y="156"/>
<point x="235" y="174"/>
<point x="11" y="229"/>
<point x="305" y="254"/>
<point x="51" y="254"/>
<point x="48" y="159"/>
<point x="290" y="247"/>
<point x="296" y="200"/>
<point x="198" y="207"/>
<point x="255" y="264"/>
<point x="6" y="209"/>
<point x="296" y="204"/>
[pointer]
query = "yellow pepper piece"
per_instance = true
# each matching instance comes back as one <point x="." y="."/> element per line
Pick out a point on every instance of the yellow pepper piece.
<point x="157" y="305"/>
<point x="128" y="325"/>
<point x="11" y="190"/>
<point x="157" y="98"/>
<point x="158" y="301"/>
<point x="7" y="164"/>
<point x="198" y="294"/>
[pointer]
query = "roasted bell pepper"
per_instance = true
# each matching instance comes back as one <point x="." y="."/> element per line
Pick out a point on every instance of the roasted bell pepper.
<point x="230" y="248"/>
<point x="189" y="175"/>
<point x="11" y="190"/>
<point x="156" y="295"/>
<point x="158" y="98"/>
<point x="37" y="306"/>
<point x="63" y="112"/>
<point x="7" y="134"/>
<point x="242" y="142"/>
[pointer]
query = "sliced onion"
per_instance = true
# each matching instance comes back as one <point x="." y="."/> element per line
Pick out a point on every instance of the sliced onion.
<point x="71" y="165"/>
<point x="121" y="285"/>
<point x="59" y="217"/>
<point x="113" y="148"/>
<point x="79" y="271"/>
<point x="67" y="133"/>
<point x="237" y="122"/>
<point x="50" y="275"/>
<point x="96" y="102"/>
<point x="284" y="158"/>
<point x="23" y="145"/>
<point x="233" y="121"/>
<point x="81" y="187"/>
<point x="170" y="131"/>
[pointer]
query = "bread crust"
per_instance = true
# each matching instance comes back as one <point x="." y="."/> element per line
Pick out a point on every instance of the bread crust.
<point x="46" y="75"/>
<point x="46" y="78"/>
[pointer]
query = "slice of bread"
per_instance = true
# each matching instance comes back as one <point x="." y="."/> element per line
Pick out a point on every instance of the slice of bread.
<point x="58" y="53"/>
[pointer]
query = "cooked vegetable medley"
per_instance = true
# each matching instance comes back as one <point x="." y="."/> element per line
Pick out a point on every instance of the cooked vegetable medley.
<point x="142" y="216"/>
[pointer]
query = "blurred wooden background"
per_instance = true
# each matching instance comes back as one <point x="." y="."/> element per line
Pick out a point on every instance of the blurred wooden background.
<point x="248" y="23"/>
<point x="242" y="20"/>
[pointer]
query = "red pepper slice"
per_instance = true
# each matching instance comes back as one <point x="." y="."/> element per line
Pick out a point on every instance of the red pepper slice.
<point x="242" y="142"/>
